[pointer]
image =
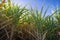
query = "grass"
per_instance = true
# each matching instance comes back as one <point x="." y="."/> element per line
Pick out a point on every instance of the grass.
<point x="18" y="23"/>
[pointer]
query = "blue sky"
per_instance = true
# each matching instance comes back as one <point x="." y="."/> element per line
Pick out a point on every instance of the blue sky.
<point x="38" y="3"/>
<point x="33" y="3"/>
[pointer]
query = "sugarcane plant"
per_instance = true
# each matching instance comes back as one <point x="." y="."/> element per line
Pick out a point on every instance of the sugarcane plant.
<point x="12" y="13"/>
<point x="46" y="25"/>
<point x="27" y="24"/>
